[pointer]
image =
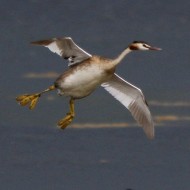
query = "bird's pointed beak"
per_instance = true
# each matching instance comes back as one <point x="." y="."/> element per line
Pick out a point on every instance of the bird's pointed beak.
<point x="155" y="48"/>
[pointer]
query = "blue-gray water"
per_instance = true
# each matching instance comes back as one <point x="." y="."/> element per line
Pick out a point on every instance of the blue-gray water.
<point x="34" y="154"/>
<point x="47" y="158"/>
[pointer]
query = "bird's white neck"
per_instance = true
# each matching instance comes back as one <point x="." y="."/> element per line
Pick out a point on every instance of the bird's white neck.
<point x="121" y="56"/>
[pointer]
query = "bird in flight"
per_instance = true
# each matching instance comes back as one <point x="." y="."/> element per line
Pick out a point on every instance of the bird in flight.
<point x="85" y="73"/>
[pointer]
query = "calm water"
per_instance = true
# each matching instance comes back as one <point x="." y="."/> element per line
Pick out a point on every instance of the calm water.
<point x="47" y="158"/>
<point x="34" y="154"/>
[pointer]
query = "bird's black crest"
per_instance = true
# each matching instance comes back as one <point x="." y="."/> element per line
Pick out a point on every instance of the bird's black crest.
<point x="135" y="42"/>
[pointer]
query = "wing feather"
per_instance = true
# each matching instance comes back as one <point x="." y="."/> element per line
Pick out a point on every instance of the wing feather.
<point x="66" y="48"/>
<point x="133" y="99"/>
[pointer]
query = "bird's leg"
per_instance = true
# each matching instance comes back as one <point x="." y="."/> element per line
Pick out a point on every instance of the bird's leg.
<point x="32" y="99"/>
<point x="63" y="123"/>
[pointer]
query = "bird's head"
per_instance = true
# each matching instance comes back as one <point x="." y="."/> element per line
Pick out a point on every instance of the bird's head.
<point x="140" y="45"/>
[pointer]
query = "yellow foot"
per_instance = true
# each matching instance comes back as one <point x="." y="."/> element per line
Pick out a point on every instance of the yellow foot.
<point x="26" y="99"/>
<point x="63" y="123"/>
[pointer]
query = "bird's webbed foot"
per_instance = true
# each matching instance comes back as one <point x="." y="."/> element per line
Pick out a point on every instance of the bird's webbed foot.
<point x="31" y="99"/>
<point x="63" y="123"/>
<point x="28" y="99"/>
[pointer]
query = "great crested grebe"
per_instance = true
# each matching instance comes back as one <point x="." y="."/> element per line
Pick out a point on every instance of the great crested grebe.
<point x="85" y="73"/>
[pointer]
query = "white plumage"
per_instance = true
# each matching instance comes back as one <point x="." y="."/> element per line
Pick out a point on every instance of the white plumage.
<point x="133" y="99"/>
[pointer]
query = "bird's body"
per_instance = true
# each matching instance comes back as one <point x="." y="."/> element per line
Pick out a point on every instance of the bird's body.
<point x="86" y="72"/>
<point x="81" y="80"/>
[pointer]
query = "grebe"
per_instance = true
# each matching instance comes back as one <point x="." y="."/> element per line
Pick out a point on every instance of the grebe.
<point x="85" y="73"/>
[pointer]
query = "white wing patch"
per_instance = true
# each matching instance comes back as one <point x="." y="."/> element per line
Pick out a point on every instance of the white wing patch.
<point x="54" y="48"/>
<point x="133" y="99"/>
<point x="66" y="48"/>
<point x="125" y="95"/>
<point x="117" y="94"/>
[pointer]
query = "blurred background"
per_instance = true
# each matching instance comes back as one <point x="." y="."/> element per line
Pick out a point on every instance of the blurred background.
<point x="103" y="148"/>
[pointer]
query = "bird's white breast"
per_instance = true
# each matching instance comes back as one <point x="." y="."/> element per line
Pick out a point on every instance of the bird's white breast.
<point x="83" y="80"/>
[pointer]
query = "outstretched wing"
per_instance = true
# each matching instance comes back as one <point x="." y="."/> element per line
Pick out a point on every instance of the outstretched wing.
<point x="133" y="99"/>
<point x="66" y="48"/>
